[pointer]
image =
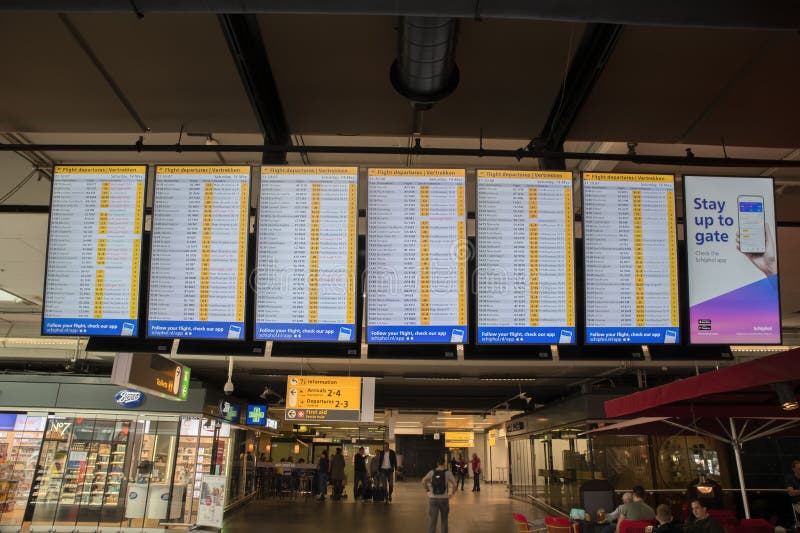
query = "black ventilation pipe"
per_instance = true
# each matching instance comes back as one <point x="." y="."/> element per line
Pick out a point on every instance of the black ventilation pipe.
<point x="425" y="70"/>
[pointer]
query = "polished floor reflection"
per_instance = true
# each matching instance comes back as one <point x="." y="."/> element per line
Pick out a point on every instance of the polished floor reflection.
<point x="474" y="512"/>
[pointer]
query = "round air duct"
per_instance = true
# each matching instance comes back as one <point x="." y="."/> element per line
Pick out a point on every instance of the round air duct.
<point x="425" y="70"/>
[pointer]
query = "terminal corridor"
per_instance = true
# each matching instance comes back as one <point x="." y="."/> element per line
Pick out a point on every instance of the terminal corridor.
<point x="475" y="512"/>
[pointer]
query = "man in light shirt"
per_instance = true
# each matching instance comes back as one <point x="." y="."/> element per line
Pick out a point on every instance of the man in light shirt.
<point x="612" y="517"/>
<point x="388" y="464"/>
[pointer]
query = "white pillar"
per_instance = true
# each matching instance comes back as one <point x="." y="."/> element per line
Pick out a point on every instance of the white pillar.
<point x="737" y="453"/>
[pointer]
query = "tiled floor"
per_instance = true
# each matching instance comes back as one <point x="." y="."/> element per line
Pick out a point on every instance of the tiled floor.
<point x="487" y="511"/>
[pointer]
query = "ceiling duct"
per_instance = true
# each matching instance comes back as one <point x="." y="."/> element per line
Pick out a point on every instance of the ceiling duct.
<point x="425" y="70"/>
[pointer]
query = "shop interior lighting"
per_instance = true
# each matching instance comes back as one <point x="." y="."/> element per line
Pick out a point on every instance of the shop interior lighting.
<point x="69" y="342"/>
<point x="508" y="379"/>
<point x="769" y="349"/>
<point x="786" y="396"/>
<point x="432" y="378"/>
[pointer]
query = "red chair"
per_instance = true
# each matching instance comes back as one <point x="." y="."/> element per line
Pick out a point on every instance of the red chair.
<point x="724" y="517"/>
<point x="559" y="524"/>
<point x="522" y="523"/>
<point x="756" y="525"/>
<point x="634" y="526"/>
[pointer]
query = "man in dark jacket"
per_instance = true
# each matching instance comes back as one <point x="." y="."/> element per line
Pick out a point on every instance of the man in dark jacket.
<point x="359" y="474"/>
<point x="703" y="522"/>
<point x="665" y="522"/>
<point x="387" y="462"/>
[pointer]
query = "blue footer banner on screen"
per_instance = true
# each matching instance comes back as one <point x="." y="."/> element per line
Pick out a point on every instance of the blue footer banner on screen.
<point x="181" y="329"/>
<point x="632" y="335"/>
<point x="421" y="334"/>
<point x="525" y="335"/>
<point x="272" y="331"/>
<point x="747" y="315"/>
<point x="91" y="326"/>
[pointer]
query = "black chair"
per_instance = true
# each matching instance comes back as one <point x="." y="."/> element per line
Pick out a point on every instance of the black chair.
<point x="597" y="494"/>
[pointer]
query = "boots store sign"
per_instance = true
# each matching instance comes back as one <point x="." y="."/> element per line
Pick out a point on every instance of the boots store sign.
<point x="129" y="398"/>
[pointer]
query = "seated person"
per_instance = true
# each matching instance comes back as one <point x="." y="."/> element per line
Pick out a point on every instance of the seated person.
<point x="637" y="509"/>
<point x="665" y="521"/>
<point x="613" y="516"/>
<point x="708" y="491"/>
<point x="703" y="522"/>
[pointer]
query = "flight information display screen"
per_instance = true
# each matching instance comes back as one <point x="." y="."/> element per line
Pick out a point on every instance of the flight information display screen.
<point x="94" y="250"/>
<point x="307" y="239"/>
<point x="416" y="256"/>
<point x="198" y="263"/>
<point x="526" y="286"/>
<point x="630" y="255"/>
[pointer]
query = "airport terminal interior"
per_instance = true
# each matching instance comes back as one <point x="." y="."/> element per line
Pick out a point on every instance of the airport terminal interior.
<point x="264" y="265"/>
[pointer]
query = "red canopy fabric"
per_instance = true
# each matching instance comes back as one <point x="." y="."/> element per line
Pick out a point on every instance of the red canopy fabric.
<point x="740" y="391"/>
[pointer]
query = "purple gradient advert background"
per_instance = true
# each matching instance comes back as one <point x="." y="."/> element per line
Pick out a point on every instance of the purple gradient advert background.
<point x="749" y="315"/>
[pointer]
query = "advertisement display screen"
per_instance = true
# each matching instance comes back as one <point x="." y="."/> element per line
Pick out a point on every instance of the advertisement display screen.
<point x="733" y="260"/>
<point x="526" y="288"/>
<point x="630" y="255"/>
<point x="307" y="238"/>
<point x="94" y="251"/>
<point x="198" y="264"/>
<point x="416" y="256"/>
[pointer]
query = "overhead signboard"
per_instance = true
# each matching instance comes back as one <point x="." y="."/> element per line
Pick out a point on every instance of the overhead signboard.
<point x="416" y="256"/>
<point x="733" y="260"/>
<point x="198" y="264"/>
<point x="152" y="373"/>
<point x="526" y="286"/>
<point x="256" y="415"/>
<point x="630" y="255"/>
<point x="459" y="439"/>
<point x="327" y="398"/>
<point x="307" y="248"/>
<point x="94" y="250"/>
<point x="229" y="411"/>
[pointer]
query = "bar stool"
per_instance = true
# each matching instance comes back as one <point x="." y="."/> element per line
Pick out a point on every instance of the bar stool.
<point x="304" y="484"/>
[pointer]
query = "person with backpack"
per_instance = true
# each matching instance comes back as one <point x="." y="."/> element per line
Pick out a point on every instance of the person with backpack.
<point x="439" y="482"/>
<point x="359" y="475"/>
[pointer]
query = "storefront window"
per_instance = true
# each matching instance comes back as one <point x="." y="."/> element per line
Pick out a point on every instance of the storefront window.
<point x="624" y="460"/>
<point x="20" y="442"/>
<point x="682" y="459"/>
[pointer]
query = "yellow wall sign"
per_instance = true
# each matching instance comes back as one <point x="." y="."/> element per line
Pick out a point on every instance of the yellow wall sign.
<point x="459" y="439"/>
<point x="323" y="398"/>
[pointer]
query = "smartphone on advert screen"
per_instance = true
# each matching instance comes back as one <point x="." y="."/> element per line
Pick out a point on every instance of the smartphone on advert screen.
<point x="752" y="232"/>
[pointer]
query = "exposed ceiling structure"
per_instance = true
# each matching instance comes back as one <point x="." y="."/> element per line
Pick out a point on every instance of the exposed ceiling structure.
<point x="711" y="78"/>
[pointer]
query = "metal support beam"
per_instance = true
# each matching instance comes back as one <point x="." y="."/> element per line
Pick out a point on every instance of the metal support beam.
<point x="730" y="162"/>
<point x="247" y="48"/>
<point x="586" y="65"/>
<point x="744" y="14"/>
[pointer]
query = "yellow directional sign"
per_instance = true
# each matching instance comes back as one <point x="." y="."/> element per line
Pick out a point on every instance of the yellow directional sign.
<point x="323" y="398"/>
<point x="459" y="439"/>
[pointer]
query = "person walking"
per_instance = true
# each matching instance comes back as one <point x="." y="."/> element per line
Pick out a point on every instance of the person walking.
<point x="476" y="473"/>
<point x="793" y="487"/>
<point x="462" y="471"/>
<point x="323" y="469"/>
<point x="439" y="482"/>
<point x="388" y="464"/>
<point x="337" y="474"/>
<point x="359" y="474"/>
